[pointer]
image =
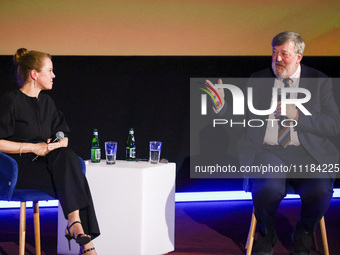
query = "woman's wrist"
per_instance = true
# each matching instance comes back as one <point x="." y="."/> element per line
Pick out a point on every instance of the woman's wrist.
<point x="29" y="148"/>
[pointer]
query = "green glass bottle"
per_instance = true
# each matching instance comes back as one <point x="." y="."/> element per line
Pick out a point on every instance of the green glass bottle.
<point x="131" y="146"/>
<point x="95" y="147"/>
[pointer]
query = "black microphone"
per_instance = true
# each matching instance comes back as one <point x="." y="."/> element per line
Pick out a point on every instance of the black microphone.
<point x="58" y="136"/>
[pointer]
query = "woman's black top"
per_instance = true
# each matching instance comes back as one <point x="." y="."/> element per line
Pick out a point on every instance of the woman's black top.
<point x="29" y="119"/>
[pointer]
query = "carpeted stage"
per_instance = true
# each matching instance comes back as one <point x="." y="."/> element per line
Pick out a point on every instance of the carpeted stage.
<point x="201" y="228"/>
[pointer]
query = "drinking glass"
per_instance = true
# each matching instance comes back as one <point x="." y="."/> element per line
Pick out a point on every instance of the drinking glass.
<point x="111" y="152"/>
<point x="155" y="152"/>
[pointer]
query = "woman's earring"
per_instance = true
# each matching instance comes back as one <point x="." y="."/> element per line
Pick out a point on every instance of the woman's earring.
<point x="35" y="83"/>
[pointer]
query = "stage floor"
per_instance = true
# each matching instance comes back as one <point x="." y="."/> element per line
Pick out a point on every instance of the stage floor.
<point x="200" y="228"/>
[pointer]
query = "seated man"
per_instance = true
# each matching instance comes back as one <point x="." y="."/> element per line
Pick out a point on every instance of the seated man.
<point x="280" y="144"/>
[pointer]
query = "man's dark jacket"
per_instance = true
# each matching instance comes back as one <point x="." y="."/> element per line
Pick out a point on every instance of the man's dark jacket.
<point x="313" y="131"/>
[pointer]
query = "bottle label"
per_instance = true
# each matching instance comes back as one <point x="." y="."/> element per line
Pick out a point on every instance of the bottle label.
<point x="97" y="154"/>
<point x="132" y="152"/>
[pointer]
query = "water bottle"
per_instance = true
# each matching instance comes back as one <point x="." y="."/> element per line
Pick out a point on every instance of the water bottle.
<point x="95" y="148"/>
<point x="131" y="146"/>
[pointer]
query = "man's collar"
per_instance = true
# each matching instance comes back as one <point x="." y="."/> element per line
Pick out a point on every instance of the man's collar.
<point x="297" y="73"/>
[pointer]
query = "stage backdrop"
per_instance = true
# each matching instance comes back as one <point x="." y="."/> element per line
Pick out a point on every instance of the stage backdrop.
<point x="175" y="27"/>
<point x="148" y="93"/>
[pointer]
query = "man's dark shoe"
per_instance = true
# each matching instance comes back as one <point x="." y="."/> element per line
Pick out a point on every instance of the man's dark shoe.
<point x="302" y="240"/>
<point x="265" y="244"/>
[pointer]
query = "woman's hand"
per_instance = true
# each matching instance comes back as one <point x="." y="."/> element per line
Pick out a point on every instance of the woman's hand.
<point x="61" y="143"/>
<point x="40" y="149"/>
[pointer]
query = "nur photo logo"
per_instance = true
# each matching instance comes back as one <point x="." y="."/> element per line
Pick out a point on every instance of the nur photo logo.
<point x="212" y="93"/>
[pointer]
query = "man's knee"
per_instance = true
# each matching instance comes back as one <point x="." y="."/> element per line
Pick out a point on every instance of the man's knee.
<point x="319" y="189"/>
<point x="269" y="189"/>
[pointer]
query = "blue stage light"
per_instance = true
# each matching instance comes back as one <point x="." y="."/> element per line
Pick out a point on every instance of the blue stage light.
<point x="179" y="197"/>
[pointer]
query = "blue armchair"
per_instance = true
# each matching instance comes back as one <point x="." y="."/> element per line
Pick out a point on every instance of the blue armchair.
<point x="8" y="181"/>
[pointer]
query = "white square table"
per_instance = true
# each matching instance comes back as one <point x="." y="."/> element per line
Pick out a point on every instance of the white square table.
<point x="135" y="208"/>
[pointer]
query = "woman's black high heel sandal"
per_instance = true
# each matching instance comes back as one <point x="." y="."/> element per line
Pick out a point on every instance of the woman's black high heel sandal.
<point x="81" y="239"/>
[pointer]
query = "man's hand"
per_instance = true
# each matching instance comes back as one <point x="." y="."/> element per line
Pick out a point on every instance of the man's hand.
<point x="291" y="111"/>
<point x="218" y="94"/>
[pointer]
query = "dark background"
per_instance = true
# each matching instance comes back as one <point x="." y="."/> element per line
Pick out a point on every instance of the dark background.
<point x="150" y="94"/>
